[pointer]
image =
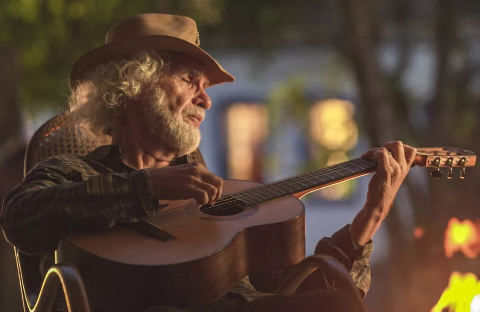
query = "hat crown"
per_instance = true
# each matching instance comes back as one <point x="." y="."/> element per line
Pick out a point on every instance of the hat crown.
<point x="156" y="32"/>
<point x="152" y="24"/>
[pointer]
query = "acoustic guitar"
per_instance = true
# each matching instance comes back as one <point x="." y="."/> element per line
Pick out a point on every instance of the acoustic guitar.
<point x="190" y="255"/>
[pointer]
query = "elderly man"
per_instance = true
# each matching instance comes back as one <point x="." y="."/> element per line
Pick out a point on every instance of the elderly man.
<point x="145" y="88"/>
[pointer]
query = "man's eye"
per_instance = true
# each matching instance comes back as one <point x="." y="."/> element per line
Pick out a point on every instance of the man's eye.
<point x="187" y="80"/>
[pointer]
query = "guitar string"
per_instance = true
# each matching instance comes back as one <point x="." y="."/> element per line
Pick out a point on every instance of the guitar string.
<point x="241" y="195"/>
<point x="253" y="192"/>
<point x="263" y="189"/>
<point x="216" y="209"/>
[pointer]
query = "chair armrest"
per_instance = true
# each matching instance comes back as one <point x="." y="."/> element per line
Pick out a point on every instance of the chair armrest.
<point x="67" y="276"/>
<point x="331" y="267"/>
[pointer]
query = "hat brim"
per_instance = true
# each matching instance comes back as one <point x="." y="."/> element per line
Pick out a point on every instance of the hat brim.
<point x="159" y="43"/>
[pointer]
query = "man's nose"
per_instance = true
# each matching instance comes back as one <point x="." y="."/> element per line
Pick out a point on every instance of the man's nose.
<point x="203" y="100"/>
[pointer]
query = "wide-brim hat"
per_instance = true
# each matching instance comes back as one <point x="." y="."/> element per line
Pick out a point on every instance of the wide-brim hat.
<point x="158" y="32"/>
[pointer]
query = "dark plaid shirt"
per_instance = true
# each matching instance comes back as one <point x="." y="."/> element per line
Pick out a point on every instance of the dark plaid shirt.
<point x="70" y="193"/>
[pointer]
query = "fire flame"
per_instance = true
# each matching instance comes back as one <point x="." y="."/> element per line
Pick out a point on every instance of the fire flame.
<point x="462" y="236"/>
<point x="461" y="295"/>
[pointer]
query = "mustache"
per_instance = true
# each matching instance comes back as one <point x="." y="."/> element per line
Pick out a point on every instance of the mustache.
<point x="194" y="111"/>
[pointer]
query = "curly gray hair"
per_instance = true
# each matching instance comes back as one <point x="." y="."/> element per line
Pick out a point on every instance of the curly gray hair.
<point x="101" y="98"/>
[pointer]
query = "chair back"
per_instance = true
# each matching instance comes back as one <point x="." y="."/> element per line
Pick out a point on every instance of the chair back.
<point x="59" y="135"/>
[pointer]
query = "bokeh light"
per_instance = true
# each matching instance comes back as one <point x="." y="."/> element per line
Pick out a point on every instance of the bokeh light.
<point x="332" y="124"/>
<point x="461" y="236"/>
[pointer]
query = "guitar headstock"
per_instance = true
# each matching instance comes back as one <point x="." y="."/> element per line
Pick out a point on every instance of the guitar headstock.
<point x="449" y="157"/>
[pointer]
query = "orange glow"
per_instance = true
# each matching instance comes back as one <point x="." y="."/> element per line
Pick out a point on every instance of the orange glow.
<point x="461" y="295"/>
<point x="462" y="236"/>
<point x="418" y="232"/>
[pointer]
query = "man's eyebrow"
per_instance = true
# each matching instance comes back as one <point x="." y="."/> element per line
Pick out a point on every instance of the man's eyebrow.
<point x="199" y="73"/>
<point x="194" y="72"/>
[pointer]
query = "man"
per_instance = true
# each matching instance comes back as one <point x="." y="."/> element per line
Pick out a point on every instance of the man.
<point x="145" y="88"/>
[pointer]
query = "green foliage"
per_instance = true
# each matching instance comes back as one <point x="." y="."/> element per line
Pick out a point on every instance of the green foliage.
<point x="287" y="101"/>
<point x="50" y="35"/>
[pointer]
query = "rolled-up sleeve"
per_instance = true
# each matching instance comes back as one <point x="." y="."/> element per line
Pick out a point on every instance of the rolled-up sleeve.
<point x="54" y="199"/>
<point x="354" y="257"/>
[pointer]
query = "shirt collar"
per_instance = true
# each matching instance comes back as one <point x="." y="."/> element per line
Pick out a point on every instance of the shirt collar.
<point x="110" y="156"/>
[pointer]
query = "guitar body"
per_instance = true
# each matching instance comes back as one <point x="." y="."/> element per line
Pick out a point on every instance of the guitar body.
<point x="127" y="271"/>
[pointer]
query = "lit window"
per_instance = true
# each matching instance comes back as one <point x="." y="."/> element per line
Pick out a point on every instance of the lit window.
<point x="333" y="128"/>
<point x="332" y="124"/>
<point x="247" y="127"/>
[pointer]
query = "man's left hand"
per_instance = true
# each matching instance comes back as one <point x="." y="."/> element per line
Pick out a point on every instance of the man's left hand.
<point x="394" y="161"/>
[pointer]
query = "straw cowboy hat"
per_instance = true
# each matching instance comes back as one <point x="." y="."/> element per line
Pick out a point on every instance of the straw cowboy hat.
<point x="159" y="32"/>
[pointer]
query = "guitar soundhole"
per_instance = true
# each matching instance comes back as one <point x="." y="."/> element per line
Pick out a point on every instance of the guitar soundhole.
<point x="224" y="207"/>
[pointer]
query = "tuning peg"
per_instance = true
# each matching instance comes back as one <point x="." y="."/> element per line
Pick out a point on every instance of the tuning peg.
<point x="437" y="173"/>
<point x="449" y="162"/>
<point x="449" y="173"/>
<point x="462" y="163"/>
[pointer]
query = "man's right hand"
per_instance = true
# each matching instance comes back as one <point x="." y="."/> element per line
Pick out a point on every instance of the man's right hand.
<point x="188" y="181"/>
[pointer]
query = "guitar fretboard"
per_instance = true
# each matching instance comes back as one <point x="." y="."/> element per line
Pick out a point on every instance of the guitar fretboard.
<point x="305" y="181"/>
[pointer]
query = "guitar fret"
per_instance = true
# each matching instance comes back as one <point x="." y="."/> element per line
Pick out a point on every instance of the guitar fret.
<point x="266" y="189"/>
<point x="313" y="182"/>
<point x="281" y="186"/>
<point x="341" y="175"/>
<point x="368" y="163"/>
<point x="318" y="178"/>
<point x="329" y="176"/>
<point x="279" y="190"/>
<point x="253" y="193"/>
<point x="344" y="167"/>
<point x="358" y="166"/>
<point x="302" y="185"/>
<point x="244" y="199"/>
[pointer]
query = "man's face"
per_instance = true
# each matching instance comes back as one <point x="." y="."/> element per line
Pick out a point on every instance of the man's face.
<point x="179" y="104"/>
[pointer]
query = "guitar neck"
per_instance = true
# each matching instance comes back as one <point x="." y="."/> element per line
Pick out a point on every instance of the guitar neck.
<point x="305" y="183"/>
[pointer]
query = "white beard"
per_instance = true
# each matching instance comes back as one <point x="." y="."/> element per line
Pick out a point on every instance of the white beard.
<point x="179" y="136"/>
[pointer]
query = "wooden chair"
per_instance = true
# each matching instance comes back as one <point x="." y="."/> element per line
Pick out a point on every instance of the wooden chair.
<point x="58" y="136"/>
